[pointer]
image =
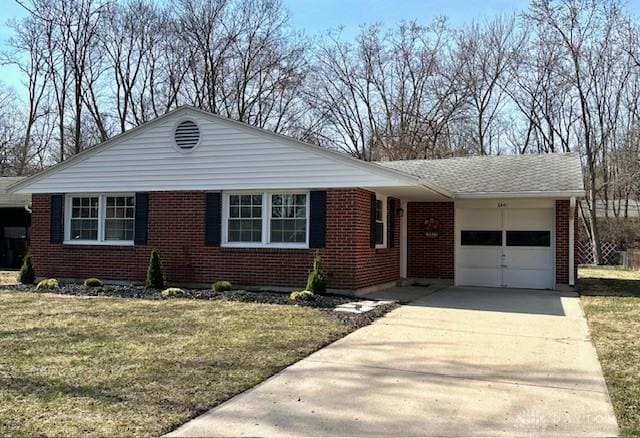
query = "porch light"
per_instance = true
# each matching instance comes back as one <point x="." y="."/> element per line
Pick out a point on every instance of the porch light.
<point x="400" y="212"/>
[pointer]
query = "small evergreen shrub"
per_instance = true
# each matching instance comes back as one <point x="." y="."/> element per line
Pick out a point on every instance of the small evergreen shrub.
<point x="221" y="286"/>
<point x="27" y="274"/>
<point x="155" y="277"/>
<point x="316" y="282"/>
<point x="92" y="282"/>
<point x="49" y="283"/>
<point x="173" y="292"/>
<point x="302" y="295"/>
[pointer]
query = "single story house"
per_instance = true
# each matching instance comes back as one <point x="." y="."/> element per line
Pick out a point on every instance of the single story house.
<point x="221" y="200"/>
<point x="15" y="220"/>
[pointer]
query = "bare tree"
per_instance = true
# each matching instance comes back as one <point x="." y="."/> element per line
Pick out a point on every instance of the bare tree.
<point x="486" y="53"/>
<point x="29" y="55"/>
<point x="588" y="32"/>
<point x="391" y="95"/>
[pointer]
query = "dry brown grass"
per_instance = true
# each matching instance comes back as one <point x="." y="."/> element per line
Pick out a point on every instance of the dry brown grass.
<point x="8" y="277"/>
<point x="74" y="366"/>
<point x="611" y="299"/>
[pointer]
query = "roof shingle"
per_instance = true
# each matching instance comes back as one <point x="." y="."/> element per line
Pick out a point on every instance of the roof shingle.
<point x="12" y="199"/>
<point x="498" y="173"/>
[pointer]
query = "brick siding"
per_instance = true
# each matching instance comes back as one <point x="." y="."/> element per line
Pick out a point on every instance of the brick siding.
<point x="563" y="209"/>
<point x="430" y="257"/>
<point x="176" y="230"/>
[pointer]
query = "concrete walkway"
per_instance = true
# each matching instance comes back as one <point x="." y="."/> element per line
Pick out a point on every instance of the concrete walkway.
<point x="459" y="362"/>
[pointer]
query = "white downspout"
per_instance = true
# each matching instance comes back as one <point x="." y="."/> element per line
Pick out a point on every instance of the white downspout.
<point x="572" y="215"/>
<point x="403" y="240"/>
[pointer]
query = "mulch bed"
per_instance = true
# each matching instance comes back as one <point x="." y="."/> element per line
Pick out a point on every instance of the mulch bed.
<point x="325" y="302"/>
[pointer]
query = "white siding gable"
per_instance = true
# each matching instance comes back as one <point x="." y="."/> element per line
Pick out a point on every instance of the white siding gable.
<point x="229" y="157"/>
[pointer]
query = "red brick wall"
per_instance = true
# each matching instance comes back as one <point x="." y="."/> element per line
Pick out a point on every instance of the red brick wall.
<point x="176" y="230"/>
<point x="430" y="257"/>
<point x="563" y="210"/>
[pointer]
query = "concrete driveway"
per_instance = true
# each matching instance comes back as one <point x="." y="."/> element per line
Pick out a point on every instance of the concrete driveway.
<point x="458" y="362"/>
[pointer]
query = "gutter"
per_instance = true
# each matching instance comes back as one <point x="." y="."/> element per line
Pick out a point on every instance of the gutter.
<point x="533" y="194"/>
<point x="439" y="190"/>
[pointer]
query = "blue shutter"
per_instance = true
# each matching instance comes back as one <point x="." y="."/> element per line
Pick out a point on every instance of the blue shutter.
<point x="391" y="223"/>
<point x="141" y="225"/>
<point x="372" y="220"/>
<point x="56" y="219"/>
<point x="213" y="219"/>
<point x="318" y="219"/>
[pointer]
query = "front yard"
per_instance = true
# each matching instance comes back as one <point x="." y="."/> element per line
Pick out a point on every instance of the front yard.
<point x="118" y="367"/>
<point x="611" y="300"/>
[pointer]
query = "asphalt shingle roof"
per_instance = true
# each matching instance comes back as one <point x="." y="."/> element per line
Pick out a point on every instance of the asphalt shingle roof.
<point x="498" y="173"/>
<point x="12" y="200"/>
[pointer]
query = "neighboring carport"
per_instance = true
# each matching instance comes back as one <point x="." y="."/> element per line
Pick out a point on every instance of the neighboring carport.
<point x="458" y="362"/>
<point x="15" y="221"/>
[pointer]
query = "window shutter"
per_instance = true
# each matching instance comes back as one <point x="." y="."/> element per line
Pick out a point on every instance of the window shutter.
<point x="213" y="219"/>
<point x="141" y="225"/>
<point x="372" y="243"/>
<point x="318" y="219"/>
<point x="391" y="223"/>
<point x="56" y="220"/>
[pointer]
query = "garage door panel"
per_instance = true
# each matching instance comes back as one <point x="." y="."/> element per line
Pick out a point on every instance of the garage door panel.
<point x="529" y="258"/>
<point x="527" y="278"/>
<point x="528" y="219"/>
<point x="479" y="257"/>
<point x="479" y="277"/>
<point x="479" y="219"/>
<point x="525" y="259"/>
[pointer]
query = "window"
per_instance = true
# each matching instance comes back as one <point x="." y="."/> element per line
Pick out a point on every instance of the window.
<point x="100" y="219"/>
<point x="481" y="238"/>
<point x="529" y="238"/>
<point x="16" y="233"/>
<point x="245" y="218"/>
<point x="118" y="223"/>
<point x="266" y="219"/>
<point x="289" y="218"/>
<point x="380" y="221"/>
<point x="84" y="218"/>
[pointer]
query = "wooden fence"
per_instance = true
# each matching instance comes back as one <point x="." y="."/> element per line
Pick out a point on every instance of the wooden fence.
<point x="631" y="259"/>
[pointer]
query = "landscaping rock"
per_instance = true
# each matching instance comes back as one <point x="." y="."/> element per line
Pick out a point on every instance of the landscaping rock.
<point x="352" y="314"/>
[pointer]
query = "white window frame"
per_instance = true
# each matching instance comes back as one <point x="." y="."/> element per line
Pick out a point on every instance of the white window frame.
<point x="266" y="220"/>
<point x="102" y="213"/>
<point x="385" y="220"/>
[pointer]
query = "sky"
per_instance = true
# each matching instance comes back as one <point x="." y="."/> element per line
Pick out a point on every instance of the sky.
<point x="316" y="16"/>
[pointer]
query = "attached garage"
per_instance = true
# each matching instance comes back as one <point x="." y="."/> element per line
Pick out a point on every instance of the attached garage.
<point x="510" y="220"/>
<point x="505" y="244"/>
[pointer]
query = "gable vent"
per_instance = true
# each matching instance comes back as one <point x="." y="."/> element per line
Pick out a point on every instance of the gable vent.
<point x="187" y="135"/>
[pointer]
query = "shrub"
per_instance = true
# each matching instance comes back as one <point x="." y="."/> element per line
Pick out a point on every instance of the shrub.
<point x="155" y="277"/>
<point x="49" y="283"/>
<point x="302" y="295"/>
<point x="316" y="282"/>
<point x="173" y="292"/>
<point x="92" y="282"/>
<point x="221" y="286"/>
<point x="27" y="274"/>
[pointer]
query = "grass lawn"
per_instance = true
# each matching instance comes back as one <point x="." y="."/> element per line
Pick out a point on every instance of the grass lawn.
<point x="611" y="300"/>
<point x="74" y="366"/>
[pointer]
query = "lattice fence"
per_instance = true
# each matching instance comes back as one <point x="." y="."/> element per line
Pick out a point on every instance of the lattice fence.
<point x="584" y="253"/>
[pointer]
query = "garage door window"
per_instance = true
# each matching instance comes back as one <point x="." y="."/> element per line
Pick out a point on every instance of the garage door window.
<point x="529" y="238"/>
<point x="481" y="238"/>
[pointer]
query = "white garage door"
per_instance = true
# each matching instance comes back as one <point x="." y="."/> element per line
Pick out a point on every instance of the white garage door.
<point x="505" y="247"/>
